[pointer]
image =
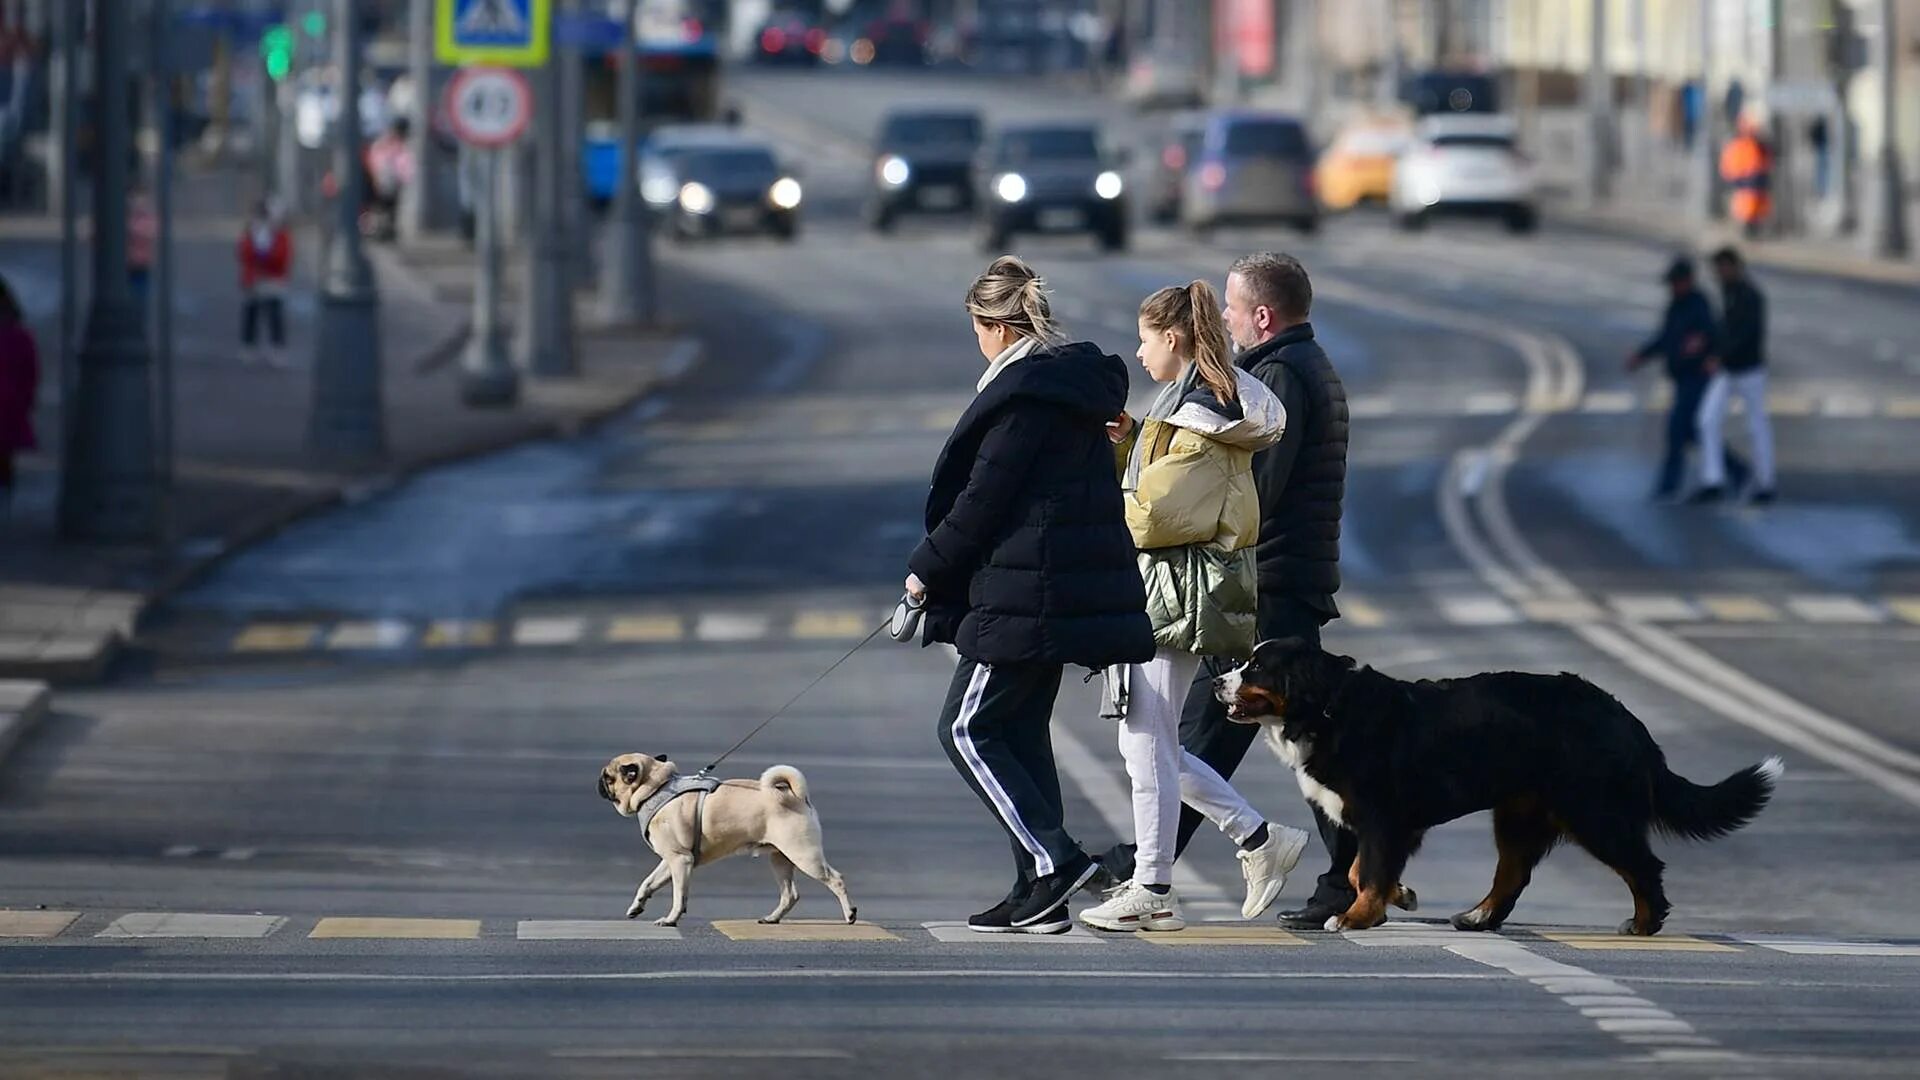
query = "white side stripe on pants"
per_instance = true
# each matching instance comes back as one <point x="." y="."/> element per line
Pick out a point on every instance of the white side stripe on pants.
<point x="1002" y="802"/>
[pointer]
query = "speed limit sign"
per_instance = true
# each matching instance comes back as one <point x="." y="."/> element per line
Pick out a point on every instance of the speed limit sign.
<point x="488" y="106"/>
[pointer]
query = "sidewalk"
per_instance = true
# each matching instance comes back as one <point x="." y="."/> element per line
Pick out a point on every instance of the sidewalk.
<point x="243" y="469"/>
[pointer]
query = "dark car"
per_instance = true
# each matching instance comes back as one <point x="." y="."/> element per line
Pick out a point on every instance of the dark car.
<point x="1253" y="167"/>
<point x="707" y="181"/>
<point x="790" y="39"/>
<point x="897" y="40"/>
<point x="1430" y="92"/>
<point x="1050" y="178"/>
<point x="923" y="162"/>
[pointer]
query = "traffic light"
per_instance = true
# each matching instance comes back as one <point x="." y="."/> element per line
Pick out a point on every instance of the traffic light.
<point x="314" y="23"/>
<point x="276" y="48"/>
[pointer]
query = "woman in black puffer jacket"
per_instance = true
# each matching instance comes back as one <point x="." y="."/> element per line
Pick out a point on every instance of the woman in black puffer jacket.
<point x="1027" y="567"/>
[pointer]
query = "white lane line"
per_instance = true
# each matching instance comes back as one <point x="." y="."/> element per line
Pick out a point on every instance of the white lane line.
<point x="1608" y="402"/>
<point x="701" y="1053"/>
<point x="1848" y="407"/>
<point x="1653" y="607"/>
<point x="1230" y="1057"/>
<point x="549" y="630"/>
<point x="1491" y="403"/>
<point x="167" y="924"/>
<point x="371" y="634"/>
<point x="739" y="975"/>
<point x="956" y="933"/>
<point x="1114" y="800"/>
<point x="181" y="851"/>
<point x="728" y="627"/>
<point x="1477" y="611"/>
<point x="1801" y="947"/>
<point x="1835" y="609"/>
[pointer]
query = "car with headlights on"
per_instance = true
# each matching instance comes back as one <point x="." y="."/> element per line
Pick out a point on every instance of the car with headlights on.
<point x="1464" y="164"/>
<point x="923" y="163"/>
<point x="1050" y="178"/>
<point x="711" y="181"/>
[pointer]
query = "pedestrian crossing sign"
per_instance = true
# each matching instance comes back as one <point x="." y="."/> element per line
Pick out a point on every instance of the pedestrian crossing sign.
<point x="503" y="33"/>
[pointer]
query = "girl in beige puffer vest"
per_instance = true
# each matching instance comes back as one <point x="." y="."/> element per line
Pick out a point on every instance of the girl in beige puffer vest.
<point x="1195" y="516"/>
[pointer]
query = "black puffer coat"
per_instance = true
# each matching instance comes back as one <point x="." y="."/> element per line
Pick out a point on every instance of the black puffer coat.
<point x="1027" y="558"/>
<point x="1303" y="478"/>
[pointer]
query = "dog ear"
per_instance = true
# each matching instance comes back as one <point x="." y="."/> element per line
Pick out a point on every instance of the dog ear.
<point x="630" y="773"/>
<point x="661" y="758"/>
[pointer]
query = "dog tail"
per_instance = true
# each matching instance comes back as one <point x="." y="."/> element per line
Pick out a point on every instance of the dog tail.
<point x="786" y="780"/>
<point x="1696" y="812"/>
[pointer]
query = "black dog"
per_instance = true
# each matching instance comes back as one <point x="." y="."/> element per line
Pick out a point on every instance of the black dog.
<point x="1553" y="756"/>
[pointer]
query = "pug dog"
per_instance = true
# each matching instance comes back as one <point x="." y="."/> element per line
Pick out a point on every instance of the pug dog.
<point x="771" y="816"/>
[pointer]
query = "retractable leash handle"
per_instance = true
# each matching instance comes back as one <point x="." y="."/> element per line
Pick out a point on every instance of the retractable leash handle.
<point x="905" y="624"/>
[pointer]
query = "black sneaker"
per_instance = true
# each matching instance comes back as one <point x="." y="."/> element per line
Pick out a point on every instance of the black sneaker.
<point x="1707" y="496"/>
<point x="1312" y="917"/>
<point x="998" y="919"/>
<point x="1102" y="881"/>
<point x="1051" y="893"/>
<point x="1763" y="497"/>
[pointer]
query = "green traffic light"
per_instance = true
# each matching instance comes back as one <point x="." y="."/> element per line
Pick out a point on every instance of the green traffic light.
<point x="276" y="48"/>
<point x="314" y="23"/>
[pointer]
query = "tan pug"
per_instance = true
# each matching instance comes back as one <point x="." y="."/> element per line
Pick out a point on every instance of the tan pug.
<point x="771" y="815"/>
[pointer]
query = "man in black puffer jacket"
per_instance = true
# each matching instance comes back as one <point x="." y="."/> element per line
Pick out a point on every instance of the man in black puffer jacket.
<point x="1028" y="566"/>
<point x="1302" y="481"/>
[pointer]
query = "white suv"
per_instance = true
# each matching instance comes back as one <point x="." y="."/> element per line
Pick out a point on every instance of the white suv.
<point x="1464" y="164"/>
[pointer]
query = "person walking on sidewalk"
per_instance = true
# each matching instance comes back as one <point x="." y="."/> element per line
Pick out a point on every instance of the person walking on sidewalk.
<point x="1301" y="482"/>
<point x="1742" y="372"/>
<point x="19" y="387"/>
<point x="265" y="253"/>
<point x="1746" y="164"/>
<point x="1687" y="341"/>
<point x="1191" y="504"/>
<point x="1027" y="566"/>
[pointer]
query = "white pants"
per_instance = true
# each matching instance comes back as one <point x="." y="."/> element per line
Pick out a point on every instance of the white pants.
<point x="1751" y="386"/>
<point x="1164" y="775"/>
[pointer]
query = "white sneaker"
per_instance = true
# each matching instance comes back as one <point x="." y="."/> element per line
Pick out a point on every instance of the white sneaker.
<point x="1131" y="907"/>
<point x="1267" y="866"/>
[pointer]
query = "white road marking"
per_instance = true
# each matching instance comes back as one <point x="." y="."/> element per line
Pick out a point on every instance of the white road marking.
<point x="1491" y="403"/>
<point x="181" y="851"/>
<point x="1848" y="407"/>
<point x="720" y="626"/>
<point x="1608" y="402"/>
<point x="375" y="634"/>
<point x="1800" y="947"/>
<point x="594" y="930"/>
<point x="165" y="924"/>
<point x="1645" y="607"/>
<point x="1835" y="609"/>
<point x="549" y="630"/>
<point x="239" y="854"/>
<point x="740" y="1053"/>
<point x="1477" y="611"/>
<point x="956" y="933"/>
<point x="737" y="975"/>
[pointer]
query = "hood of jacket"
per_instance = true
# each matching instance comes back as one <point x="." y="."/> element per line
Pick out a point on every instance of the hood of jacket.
<point x="1254" y="422"/>
<point x="1076" y="376"/>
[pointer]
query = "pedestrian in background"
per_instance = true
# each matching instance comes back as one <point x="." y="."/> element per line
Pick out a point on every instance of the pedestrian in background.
<point x="1027" y="566"/>
<point x="19" y="387"/>
<point x="1301" y="482"/>
<point x="1194" y="514"/>
<point x="1742" y="373"/>
<point x="1687" y="341"/>
<point x="143" y="231"/>
<point x="1746" y="164"/>
<point x="265" y="254"/>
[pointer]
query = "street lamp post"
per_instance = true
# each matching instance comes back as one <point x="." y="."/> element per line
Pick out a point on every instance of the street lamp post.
<point x="626" y="282"/>
<point x="346" y="424"/>
<point x="1599" y="109"/>
<point x="1889" y="236"/>
<point x="1706" y="173"/>
<point x="423" y="203"/>
<point x="546" y="338"/>
<point x="109" y="489"/>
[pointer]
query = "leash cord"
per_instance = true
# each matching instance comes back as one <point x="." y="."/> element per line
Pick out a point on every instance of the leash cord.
<point x="884" y="623"/>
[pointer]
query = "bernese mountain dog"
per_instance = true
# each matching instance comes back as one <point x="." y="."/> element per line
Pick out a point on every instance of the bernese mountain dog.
<point x="1553" y="756"/>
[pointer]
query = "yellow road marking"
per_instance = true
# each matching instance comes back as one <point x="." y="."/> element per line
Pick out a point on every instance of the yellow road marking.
<point x="276" y="637"/>
<point x="641" y="628"/>
<point x="1560" y="610"/>
<point x="455" y="633"/>
<point x="1358" y="612"/>
<point x="801" y="930"/>
<point x="1907" y="607"/>
<point x="1904" y="408"/>
<point x="942" y="419"/>
<point x="1627" y="943"/>
<point x="1732" y="608"/>
<point x="1226" y="934"/>
<point x="373" y="634"/>
<point x="35" y="924"/>
<point x="815" y="625"/>
<point x="1791" y="405"/>
<point x="397" y="928"/>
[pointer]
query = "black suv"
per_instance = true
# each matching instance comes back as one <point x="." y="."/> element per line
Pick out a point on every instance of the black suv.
<point x="1050" y="178"/>
<point x="923" y="161"/>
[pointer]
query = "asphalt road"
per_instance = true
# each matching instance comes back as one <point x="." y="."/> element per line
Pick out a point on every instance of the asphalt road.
<point x="396" y="711"/>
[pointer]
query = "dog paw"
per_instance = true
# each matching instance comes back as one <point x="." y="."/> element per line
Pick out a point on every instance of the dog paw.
<point x="770" y="920"/>
<point x="638" y="906"/>
<point x="1631" y="928"/>
<point x="665" y="921"/>
<point x="1406" y="899"/>
<point x="1335" y="924"/>
<point x="853" y="916"/>
<point x="1472" y="919"/>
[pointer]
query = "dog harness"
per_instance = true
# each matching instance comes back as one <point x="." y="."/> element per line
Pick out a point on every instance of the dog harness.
<point x="699" y="784"/>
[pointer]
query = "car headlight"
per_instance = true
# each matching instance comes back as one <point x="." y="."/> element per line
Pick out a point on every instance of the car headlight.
<point x="1011" y="187"/>
<point x="894" y="170"/>
<point x="696" y="198"/>
<point x="785" y="193"/>
<point x="658" y="189"/>
<point x="1426" y="190"/>
<point x="1108" y="185"/>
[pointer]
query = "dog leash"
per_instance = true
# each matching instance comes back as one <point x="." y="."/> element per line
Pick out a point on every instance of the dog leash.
<point x="886" y="623"/>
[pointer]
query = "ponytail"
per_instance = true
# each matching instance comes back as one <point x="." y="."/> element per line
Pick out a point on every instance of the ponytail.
<point x="1193" y="314"/>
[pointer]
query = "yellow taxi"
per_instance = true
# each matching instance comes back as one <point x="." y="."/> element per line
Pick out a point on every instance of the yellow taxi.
<point x="1358" y="167"/>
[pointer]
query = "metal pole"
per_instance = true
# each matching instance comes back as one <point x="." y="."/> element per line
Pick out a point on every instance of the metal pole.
<point x="423" y="203"/>
<point x="108" y="489"/>
<point x="573" y="202"/>
<point x="487" y="377"/>
<point x="70" y="27"/>
<point x="1706" y="173"/>
<point x="1599" y="108"/>
<point x="1888" y="239"/>
<point x="163" y="256"/>
<point x="626" y="281"/>
<point x="545" y="345"/>
<point x="346" y="424"/>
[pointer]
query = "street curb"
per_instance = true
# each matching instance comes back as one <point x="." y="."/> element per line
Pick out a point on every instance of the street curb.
<point x="1862" y="269"/>
<point x="16" y="722"/>
<point x="361" y="489"/>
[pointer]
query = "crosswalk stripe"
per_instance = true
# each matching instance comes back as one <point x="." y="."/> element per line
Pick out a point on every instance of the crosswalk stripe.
<point x="1847" y="407"/>
<point x="1491" y="403"/>
<point x="276" y="637"/>
<point x="1835" y="609"/>
<point x="375" y="634"/>
<point x="1791" y="405"/>
<point x="732" y="627"/>
<point x="35" y="924"/>
<point x="1653" y="607"/>
<point x="941" y="419"/>
<point x="1630" y="943"/>
<point x="800" y="930"/>
<point x="1904" y="408"/>
<point x="169" y="924"/>
<point x="956" y="933"/>
<point x="1608" y="401"/>
<point x="1369" y="405"/>
<point x="594" y="930"/>
<point x="1735" y="608"/>
<point x="434" y="929"/>
<point x="646" y="628"/>
<point x="1477" y="611"/>
<point x="458" y="633"/>
<point x="1798" y="947"/>
<point x="820" y="625"/>
<point x="1560" y="610"/>
<point x="1356" y="611"/>
<point x="1907" y="607"/>
<point x="549" y="631"/>
<point x="1236" y="934"/>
